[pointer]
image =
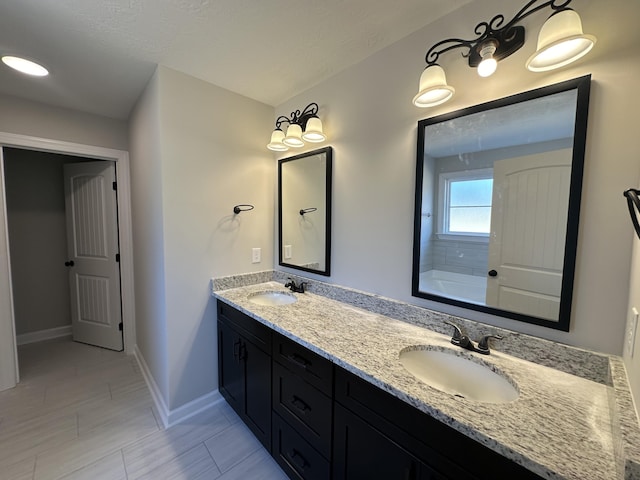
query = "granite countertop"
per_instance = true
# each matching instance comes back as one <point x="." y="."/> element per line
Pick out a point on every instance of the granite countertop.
<point x="560" y="427"/>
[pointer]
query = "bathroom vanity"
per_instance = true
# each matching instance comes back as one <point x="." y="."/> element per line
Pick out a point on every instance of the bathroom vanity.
<point x="320" y="384"/>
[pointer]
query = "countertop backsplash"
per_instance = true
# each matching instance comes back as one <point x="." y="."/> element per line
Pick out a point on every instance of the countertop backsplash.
<point x="575" y="361"/>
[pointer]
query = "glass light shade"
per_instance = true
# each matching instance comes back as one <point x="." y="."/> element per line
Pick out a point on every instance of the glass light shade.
<point x="560" y="42"/>
<point x="25" y="66"/>
<point x="313" y="131"/>
<point x="276" y="141"/>
<point x="433" y="88"/>
<point x="294" y="136"/>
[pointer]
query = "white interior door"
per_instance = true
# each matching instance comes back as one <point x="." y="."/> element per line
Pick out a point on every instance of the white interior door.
<point x="528" y="230"/>
<point x="92" y="236"/>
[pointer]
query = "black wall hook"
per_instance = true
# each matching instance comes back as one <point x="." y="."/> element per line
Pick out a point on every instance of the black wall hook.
<point x="242" y="208"/>
<point x="633" y="202"/>
<point x="307" y="210"/>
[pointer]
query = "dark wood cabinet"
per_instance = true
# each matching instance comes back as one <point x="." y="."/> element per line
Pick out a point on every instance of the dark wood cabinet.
<point x="321" y="422"/>
<point x="302" y="410"/>
<point x="362" y="452"/>
<point x="244" y="369"/>
<point x="297" y="457"/>
<point x="443" y="452"/>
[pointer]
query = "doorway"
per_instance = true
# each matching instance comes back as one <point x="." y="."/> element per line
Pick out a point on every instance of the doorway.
<point x="9" y="375"/>
<point x="63" y="240"/>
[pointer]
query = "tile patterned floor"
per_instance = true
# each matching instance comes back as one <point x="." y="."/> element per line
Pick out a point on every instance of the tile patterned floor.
<point x="82" y="412"/>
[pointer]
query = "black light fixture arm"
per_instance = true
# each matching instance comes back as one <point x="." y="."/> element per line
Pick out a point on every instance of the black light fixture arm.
<point x="508" y="38"/>
<point x="298" y="117"/>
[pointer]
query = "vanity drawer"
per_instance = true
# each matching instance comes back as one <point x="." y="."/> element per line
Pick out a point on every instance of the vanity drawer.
<point x="256" y="332"/>
<point x="304" y="407"/>
<point x="434" y="443"/>
<point x="310" y="366"/>
<point x="295" y="455"/>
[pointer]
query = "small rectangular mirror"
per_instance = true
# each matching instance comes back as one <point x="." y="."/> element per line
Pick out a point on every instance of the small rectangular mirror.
<point x="304" y="211"/>
<point x="498" y="190"/>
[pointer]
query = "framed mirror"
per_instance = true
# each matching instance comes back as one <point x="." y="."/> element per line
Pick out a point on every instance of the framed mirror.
<point x="304" y="211"/>
<point x="497" y="203"/>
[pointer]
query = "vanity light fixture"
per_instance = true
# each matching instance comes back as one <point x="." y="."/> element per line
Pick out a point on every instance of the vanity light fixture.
<point x="303" y="127"/>
<point x="560" y="42"/>
<point x="23" y="65"/>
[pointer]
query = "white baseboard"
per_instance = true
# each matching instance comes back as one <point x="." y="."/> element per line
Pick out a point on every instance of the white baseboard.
<point x="171" y="417"/>
<point x="42" y="335"/>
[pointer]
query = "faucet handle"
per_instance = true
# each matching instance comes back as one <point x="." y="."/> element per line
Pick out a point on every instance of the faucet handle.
<point x="457" y="332"/>
<point x="483" y="344"/>
<point x="459" y="339"/>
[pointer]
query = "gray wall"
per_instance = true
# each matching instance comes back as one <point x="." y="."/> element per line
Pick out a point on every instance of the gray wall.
<point x="371" y="123"/>
<point x="24" y="117"/>
<point x="190" y="165"/>
<point x="37" y="239"/>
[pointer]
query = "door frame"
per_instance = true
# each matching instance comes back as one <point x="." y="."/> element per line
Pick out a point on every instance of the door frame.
<point x="9" y="374"/>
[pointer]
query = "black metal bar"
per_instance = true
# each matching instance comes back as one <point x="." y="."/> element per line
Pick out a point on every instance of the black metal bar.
<point x="242" y="208"/>
<point x="493" y="29"/>
<point x="298" y="117"/>
<point x="633" y="202"/>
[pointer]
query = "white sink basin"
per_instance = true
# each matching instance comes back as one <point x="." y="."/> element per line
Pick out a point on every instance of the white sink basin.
<point x="457" y="375"/>
<point x="272" y="298"/>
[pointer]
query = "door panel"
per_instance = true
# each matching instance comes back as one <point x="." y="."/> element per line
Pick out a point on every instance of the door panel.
<point x="528" y="232"/>
<point x="230" y="367"/>
<point x="92" y="238"/>
<point x="258" y="391"/>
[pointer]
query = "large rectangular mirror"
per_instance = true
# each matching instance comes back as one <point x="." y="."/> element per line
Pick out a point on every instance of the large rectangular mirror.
<point x="304" y="211"/>
<point x="498" y="190"/>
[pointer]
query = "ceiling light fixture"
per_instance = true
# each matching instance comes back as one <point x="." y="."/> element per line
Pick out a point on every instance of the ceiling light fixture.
<point x="304" y="126"/>
<point x="560" y="42"/>
<point x="25" y="66"/>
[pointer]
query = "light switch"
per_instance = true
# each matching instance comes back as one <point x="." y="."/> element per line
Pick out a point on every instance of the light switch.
<point x="287" y="251"/>
<point x="255" y="255"/>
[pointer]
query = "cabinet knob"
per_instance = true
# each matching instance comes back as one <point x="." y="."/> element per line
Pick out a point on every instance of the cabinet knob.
<point x="70" y="263"/>
<point x="493" y="273"/>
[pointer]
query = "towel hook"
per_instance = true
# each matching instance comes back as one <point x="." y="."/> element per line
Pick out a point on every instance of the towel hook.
<point x="243" y="207"/>
<point x="307" y="210"/>
<point x="633" y="201"/>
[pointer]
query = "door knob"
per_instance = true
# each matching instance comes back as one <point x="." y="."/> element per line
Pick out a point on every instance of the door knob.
<point x="493" y="273"/>
<point x="70" y="263"/>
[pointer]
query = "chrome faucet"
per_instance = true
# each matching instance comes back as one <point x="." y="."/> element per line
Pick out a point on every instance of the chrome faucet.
<point x="291" y="285"/>
<point x="461" y="340"/>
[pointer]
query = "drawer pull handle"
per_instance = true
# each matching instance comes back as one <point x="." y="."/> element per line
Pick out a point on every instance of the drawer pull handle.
<point x="236" y="349"/>
<point x="298" y="360"/>
<point x="300" y="404"/>
<point x="297" y="458"/>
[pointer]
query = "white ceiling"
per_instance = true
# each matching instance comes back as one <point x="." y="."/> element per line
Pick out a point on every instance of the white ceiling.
<point x="101" y="53"/>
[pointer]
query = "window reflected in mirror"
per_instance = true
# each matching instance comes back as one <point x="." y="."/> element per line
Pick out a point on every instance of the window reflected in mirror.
<point x="498" y="191"/>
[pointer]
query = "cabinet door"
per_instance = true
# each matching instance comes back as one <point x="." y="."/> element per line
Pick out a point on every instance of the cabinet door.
<point x="257" y="400"/>
<point x="362" y="452"/>
<point x="230" y="367"/>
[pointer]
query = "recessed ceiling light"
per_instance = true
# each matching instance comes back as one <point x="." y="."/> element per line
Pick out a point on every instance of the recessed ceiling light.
<point x="25" y="66"/>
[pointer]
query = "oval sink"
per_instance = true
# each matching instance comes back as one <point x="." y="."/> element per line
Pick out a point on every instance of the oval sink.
<point x="457" y="375"/>
<point x="272" y="298"/>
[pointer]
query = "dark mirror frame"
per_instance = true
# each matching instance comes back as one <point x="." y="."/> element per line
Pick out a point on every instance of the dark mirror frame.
<point x="328" y="151"/>
<point x="583" y="86"/>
